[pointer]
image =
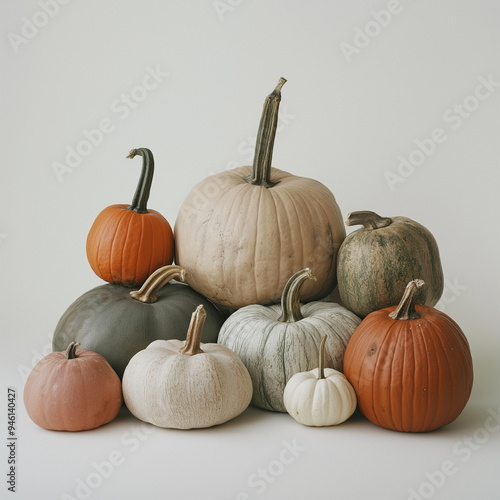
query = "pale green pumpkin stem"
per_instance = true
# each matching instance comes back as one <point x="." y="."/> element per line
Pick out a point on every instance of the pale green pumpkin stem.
<point x="406" y="308"/>
<point x="261" y="174"/>
<point x="71" y="350"/>
<point x="290" y="299"/>
<point x="369" y="220"/>
<point x="141" y="196"/>
<point x="149" y="290"/>
<point x="193" y="337"/>
<point x="321" y="369"/>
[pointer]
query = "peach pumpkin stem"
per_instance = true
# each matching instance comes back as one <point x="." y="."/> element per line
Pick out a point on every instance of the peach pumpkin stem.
<point x="290" y="299"/>
<point x="261" y="174"/>
<point x="321" y="369"/>
<point x="369" y="220"/>
<point x="406" y="308"/>
<point x="141" y="196"/>
<point x="148" y="293"/>
<point x="71" y="350"/>
<point x="193" y="337"/>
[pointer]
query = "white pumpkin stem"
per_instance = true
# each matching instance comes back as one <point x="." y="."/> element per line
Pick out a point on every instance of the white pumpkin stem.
<point x="369" y="220"/>
<point x="321" y="368"/>
<point x="71" y="350"/>
<point x="290" y="299"/>
<point x="265" y="140"/>
<point x="406" y="308"/>
<point x="193" y="337"/>
<point x="150" y="288"/>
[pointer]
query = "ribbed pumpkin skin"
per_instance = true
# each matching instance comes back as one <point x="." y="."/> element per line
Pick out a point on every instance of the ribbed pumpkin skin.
<point x="72" y="395"/>
<point x="125" y="247"/>
<point x="274" y="351"/>
<point x="410" y="375"/>
<point x="374" y="266"/>
<point x="241" y="242"/>
<point x="106" y="320"/>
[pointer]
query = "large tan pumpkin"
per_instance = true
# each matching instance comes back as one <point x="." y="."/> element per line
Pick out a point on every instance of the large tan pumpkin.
<point x="243" y="232"/>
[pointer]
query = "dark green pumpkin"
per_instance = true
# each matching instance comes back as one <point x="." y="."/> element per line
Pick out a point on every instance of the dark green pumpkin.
<point x="117" y="323"/>
<point x="376" y="262"/>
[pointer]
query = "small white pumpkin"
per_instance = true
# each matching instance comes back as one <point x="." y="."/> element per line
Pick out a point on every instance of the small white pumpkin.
<point x="277" y="342"/>
<point x="186" y="385"/>
<point x="320" y="397"/>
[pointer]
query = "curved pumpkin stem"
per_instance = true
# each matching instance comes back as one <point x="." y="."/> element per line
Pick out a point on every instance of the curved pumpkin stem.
<point x="265" y="140"/>
<point x="321" y="369"/>
<point x="406" y="308"/>
<point x="71" y="350"/>
<point x="290" y="299"/>
<point x="369" y="220"/>
<point x="193" y="337"/>
<point x="141" y="195"/>
<point x="149" y="290"/>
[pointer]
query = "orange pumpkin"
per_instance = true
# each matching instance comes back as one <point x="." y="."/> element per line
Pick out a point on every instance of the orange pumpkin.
<point x="67" y="391"/>
<point x="127" y="243"/>
<point x="411" y="366"/>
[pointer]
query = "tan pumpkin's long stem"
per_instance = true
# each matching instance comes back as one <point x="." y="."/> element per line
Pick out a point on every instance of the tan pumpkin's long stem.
<point x="261" y="174"/>
<point x="321" y="368"/>
<point x="369" y="220"/>
<point x="193" y="337"/>
<point x="150" y="288"/>
<point x="406" y="308"/>
<point x="71" y="350"/>
<point x="290" y="299"/>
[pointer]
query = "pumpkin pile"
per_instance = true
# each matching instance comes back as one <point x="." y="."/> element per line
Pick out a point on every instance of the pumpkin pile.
<point x="241" y="316"/>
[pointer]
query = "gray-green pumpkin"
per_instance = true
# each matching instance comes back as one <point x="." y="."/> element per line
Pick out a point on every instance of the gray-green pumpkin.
<point x="276" y="342"/>
<point x="376" y="262"/>
<point x="118" y="323"/>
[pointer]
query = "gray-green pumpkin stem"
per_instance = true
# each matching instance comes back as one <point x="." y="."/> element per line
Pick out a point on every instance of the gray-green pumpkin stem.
<point x="369" y="220"/>
<point x="193" y="337"/>
<point x="141" y="196"/>
<point x="406" y="308"/>
<point x="321" y="369"/>
<point x="149" y="291"/>
<point x="261" y="173"/>
<point x="290" y="299"/>
<point x="71" y="350"/>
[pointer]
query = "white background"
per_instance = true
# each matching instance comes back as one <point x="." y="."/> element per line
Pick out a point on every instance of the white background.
<point x="344" y="123"/>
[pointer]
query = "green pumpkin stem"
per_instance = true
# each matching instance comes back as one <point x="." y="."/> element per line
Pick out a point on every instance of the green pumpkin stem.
<point x="321" y="368"/>
<point x="141" y="195"/>
<point x="290" y="299"/>
<point x="406" y="308"/>
<point x="71" y="350"/>
<point x="149" y="291"/>
<point x="369" y="220"/>
<point x="193" y="337"/>
<point x="261" y="174"/>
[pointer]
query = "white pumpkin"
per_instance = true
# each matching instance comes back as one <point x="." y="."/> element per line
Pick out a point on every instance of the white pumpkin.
<point x="276" y="342"/>
<point x="185" y="385"/>
<point x="320" y="397"/>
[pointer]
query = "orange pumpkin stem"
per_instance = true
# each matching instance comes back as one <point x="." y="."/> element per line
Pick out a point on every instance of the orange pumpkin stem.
<point x="141" y="196"/>
<point x="321" y="368"/>
<point x="261" y="174"/>
<point x="71" y="350"/>
<point x="193" y="337"/>
<point x="369" y="220"/>
<point x="149" y="290"/>
<point x="290" y="299"/>
<point x="406" y="308"/>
